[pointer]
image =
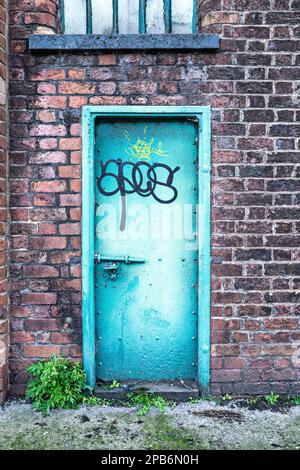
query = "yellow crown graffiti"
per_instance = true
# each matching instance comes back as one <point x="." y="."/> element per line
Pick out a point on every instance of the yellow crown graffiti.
<point x="143" y="149"/>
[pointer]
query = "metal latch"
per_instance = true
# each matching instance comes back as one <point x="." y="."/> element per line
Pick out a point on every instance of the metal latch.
<point x="112" y="263"/>
<point x="112" y="269"/>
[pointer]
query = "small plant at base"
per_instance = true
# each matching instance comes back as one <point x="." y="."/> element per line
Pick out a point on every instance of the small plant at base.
<point x="252" y="401"/>
<point x="295" y="400"/>
<point x="195" y="401"/>
<point x="56" y="383"/>
<point x="114" y="384"/>
<point x="110" y="386"/>
<point x="226" y="397"/>
<point x="95" y="401"/>
<point x="147" y="400"/>
<point x="272" y="399"/>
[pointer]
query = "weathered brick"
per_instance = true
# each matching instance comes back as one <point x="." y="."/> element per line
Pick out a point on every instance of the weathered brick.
<point x="226" y="375"/>
<point x="48" y="130"/>
<point x="130" y="88"/>
<point x="41" y="19"/>
<point x="70" y="200"/>
<point x="48" y="243"/>
<point x="46" y="89"/>
<point x="77" y="101"/>
<point x="48" y="157"/>
<point x="46" y="116"/>
<point x="53" y="186"/>
<point x="107" y="58"/>
<point x="253" y="254"/>
<point x="40" y="271"/>
<point x="76" y="74"/>
<point x="49" y="102"/>
<point x="70" y="229"/>
<point x="21" y="337"/>
<point x="38" y="298"/>
<point x="41" y="351"/>
<point x="69" y="171"/>
<point x="44" y="324"/>
<point x="73" y="143"/>
<point x="48" y="74"/>
<point x="74" y="88"/>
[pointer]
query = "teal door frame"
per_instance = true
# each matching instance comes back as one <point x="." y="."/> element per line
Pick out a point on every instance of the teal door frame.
<point x="203" y="116"/>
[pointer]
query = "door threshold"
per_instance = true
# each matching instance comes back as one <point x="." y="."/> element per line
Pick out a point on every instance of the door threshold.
<point x="176" y="390"/>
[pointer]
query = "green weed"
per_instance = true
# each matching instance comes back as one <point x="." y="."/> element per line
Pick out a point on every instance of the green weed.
<point x="96" y="401"/>
<point x="56" y="383"/>
<point x="252" y="401"/>
<point x="295" y="400"/>
<point x="226" y="397"/>
<point x="272" y="399"/>
<point x="146" y="400"/>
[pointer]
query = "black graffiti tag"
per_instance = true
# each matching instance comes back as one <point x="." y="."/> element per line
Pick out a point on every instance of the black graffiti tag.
<point x="136" y="183"/>
<point x="144" y="183"/>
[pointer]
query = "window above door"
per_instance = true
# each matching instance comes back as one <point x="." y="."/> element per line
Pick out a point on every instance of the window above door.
<point x="128" y="16"/>
<point x="126" y="25"/>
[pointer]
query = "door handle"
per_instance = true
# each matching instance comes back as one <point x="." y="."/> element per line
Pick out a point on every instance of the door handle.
<point x="118" y="259"/>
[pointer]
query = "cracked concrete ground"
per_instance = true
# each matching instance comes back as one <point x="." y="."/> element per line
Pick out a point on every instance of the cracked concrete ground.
<point x="186" y="427"/>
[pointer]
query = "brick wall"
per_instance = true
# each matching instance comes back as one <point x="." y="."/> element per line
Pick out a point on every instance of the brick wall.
<point x="4" y="341"/>
<point x="251" y="84"/>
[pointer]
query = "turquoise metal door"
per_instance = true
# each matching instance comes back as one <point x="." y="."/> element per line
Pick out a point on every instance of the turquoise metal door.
<point x="146" y="261"/>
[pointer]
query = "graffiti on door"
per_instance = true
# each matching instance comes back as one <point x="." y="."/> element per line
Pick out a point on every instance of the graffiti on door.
<point x="143" y="178"/>
<point x="144" y="149"/>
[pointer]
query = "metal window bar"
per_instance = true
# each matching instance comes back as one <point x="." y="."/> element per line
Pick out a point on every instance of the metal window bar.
<point x="168" y="16"/>
<point x="194" y="21"/>
<point x="115" y="16"/>
<point x="142" y="16"/>
<point x="89" y="17"/>
<point x="61" y="6"/>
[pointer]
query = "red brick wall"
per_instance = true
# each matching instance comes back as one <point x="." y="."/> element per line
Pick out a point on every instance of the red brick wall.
<point x="4" y="340"/>
<point x="251" y="85"/>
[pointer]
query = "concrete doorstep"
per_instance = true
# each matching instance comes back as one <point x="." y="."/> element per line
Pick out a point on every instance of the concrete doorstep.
<point x="178" y="391"/>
